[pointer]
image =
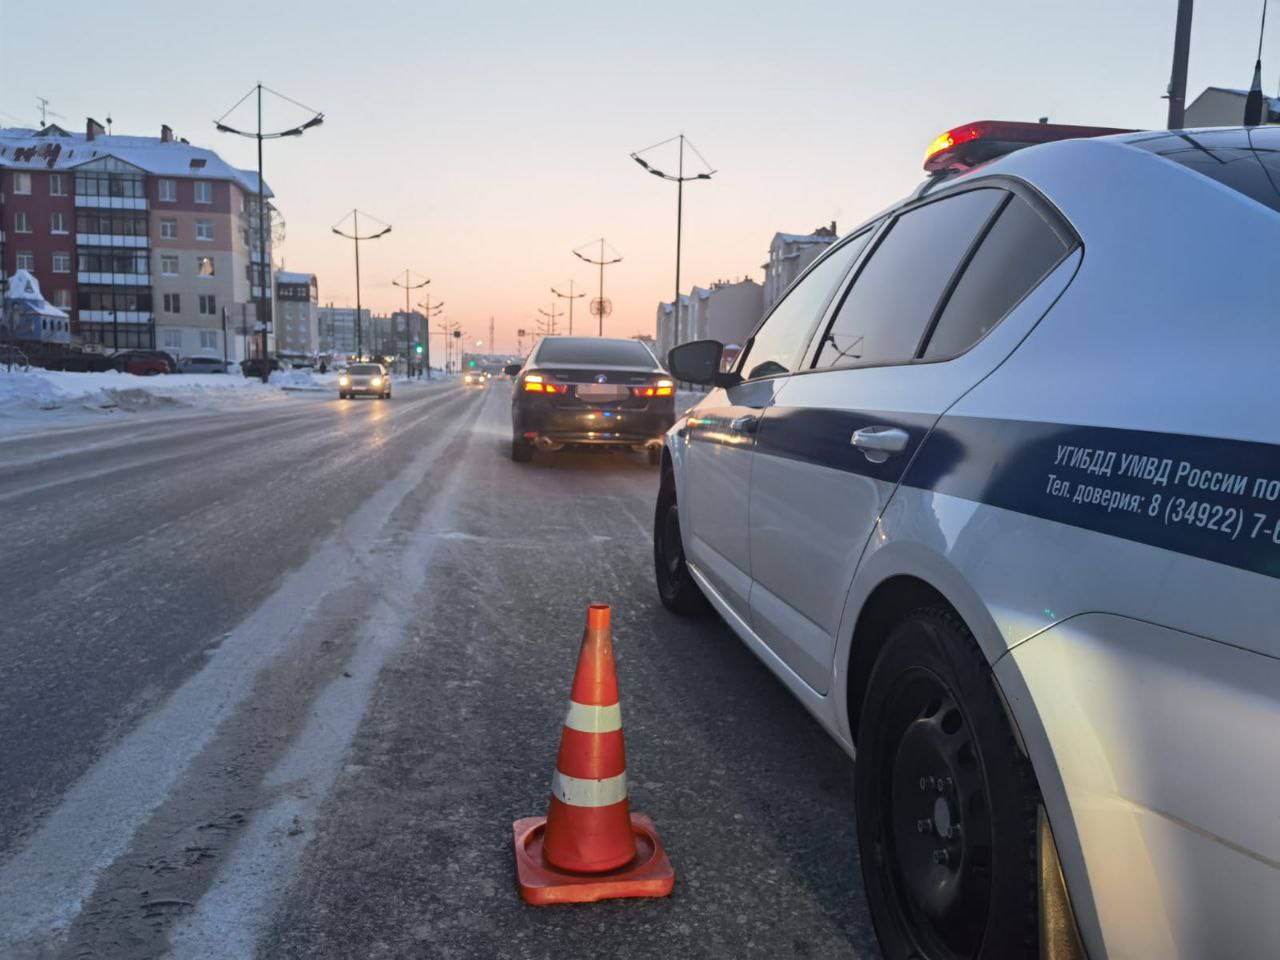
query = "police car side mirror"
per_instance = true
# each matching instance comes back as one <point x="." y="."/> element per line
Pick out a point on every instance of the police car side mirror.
<point x="699" y="362"/>
<point x="511" y="369"/>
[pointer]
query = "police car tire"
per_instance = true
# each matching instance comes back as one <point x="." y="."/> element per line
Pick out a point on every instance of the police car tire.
<point x="933" y="643"/>
<point x="676" y="588"/>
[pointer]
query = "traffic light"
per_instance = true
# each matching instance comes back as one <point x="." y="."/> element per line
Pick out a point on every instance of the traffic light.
<point x="418" y="349"/>
<point x="471" y="363"/>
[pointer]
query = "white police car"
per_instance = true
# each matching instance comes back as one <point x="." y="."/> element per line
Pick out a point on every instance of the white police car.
<point x="994" y="489"/>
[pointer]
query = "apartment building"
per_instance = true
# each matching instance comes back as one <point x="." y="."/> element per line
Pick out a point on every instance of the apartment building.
<point x="789" y="254"/>
<point x="297" y="313"/>
<point x="727" y="311"/>
<point x="145" y="241"/>
<point x="337" y="330"/>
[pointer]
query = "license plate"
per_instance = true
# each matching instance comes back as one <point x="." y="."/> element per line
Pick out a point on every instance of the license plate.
<point x="601" y="391"/>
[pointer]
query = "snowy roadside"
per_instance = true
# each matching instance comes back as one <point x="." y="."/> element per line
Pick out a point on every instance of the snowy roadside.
<point x="35" y="398"/>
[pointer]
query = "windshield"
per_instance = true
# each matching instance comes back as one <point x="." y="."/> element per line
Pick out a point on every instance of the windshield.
<point x="364" y="369"/>
<point x="1246" y="160"/>
<point x="592" y="350"/>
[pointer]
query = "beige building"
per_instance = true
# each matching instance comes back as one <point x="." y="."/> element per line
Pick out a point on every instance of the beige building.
<point x="727" y="311"/>
<point x="1224" y="107"/>
<point x="297" y="313"/>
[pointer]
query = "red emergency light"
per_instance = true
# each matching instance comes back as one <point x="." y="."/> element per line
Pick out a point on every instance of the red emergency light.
<point x="974" y="143"/>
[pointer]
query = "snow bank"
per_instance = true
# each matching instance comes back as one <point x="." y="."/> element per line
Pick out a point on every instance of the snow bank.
<point x="40" y="395"/>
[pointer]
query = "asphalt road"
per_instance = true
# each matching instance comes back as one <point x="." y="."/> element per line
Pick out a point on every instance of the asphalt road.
<point x="277" y="682"/>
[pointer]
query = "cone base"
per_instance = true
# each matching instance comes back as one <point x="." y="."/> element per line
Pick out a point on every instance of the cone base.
<point x="649" y="875"/>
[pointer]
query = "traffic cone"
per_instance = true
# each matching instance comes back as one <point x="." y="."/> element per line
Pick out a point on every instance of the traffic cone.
<point x="590" y="846"/>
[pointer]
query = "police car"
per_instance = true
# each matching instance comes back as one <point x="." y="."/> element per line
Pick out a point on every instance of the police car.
<point x="994" y="489"/>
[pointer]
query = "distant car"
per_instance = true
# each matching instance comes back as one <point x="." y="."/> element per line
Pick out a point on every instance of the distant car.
<point x="202" y="365"/>
<point x="590" y="391"/>
<point x="474" y="379"/>
<point x="253" y="366"/>
<point x="13" y="357"/>
<point x="144" y="363"/>
<point x="370" y="379"/>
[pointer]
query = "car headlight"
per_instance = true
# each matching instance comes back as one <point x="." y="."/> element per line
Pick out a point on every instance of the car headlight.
<point x="343" y="381"/>
<point x="376" y="381"/>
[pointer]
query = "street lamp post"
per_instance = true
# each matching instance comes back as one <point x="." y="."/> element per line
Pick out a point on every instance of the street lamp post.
<point x="570" y="296"/>
<point x="600" y="305"/>
<point x="408" y="326"/>
<point x="428" y="312"/>
<point x="551" y="317"/>
<point x="264" y="277"/>
<point x="679" y="179"/>
<point x="355" y="236"/>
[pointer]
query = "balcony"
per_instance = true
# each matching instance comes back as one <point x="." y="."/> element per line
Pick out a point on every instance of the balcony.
<point x="111" y="203"/>
<point x="114" y="279"/>
<point x="120" y="316"/>
<point x="110" y="240"/>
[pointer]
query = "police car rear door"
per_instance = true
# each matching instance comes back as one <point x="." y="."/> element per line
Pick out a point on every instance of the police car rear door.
<point x="722" y="431"/>
<point x="913" y="331"/>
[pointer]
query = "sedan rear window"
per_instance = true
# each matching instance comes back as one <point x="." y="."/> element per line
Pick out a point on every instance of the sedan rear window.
<point x="612" y="353"/>
<point x="1246" y="160"/>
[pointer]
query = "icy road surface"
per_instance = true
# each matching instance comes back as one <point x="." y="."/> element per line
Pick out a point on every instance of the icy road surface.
<point x="278" y="680"/>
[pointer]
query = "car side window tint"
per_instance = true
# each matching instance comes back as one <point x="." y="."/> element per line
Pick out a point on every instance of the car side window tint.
<point x="1018" y="251"/>
<point x="779" y="343"/>
<point x="889" y="305"/>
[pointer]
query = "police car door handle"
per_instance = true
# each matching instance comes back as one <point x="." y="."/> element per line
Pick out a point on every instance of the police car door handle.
<point x="745" y="424"/>
<point x="879" y="443"/>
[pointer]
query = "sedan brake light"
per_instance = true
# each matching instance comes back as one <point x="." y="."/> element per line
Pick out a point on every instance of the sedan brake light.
<point x="662" y="388"/>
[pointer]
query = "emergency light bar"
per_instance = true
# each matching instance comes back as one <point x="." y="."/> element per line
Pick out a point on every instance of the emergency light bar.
<point x="974" y="143"/>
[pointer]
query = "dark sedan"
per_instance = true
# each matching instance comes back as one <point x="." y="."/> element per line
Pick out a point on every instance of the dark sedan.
<point x="590" y="391"/>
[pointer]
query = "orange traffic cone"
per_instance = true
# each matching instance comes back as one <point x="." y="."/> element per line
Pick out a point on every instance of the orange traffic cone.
<point x="590" y="846"/>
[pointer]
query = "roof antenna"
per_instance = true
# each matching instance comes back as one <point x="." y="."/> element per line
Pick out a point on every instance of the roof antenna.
<point x="1253" y="103"/>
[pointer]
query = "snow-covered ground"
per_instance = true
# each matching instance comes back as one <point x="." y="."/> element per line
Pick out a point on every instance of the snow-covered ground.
<point x="34" y="398"/>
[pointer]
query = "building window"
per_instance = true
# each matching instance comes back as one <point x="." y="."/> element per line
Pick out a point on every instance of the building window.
<point x="168" y="229"/>
<point x="57" y="223"/>
<point x="26" y="260"/>
<point x="204" y="191"/>
<point x="62" y="299"/>
<point x="168" y="191"/>
<point x="132" y="262"/>
<point x="204" y="266"/>
<point x="57" y="186"/>
<point x="22" y="183"/>
<point x="208" y="339"/>
<point x="169" y="264"/>
<point x="21" y="222"/>
<point x="208" y="307"/>
<point x="172" y="303"/>
<point x="62" y="263"/>
<point x="204" y="229"/>
<point x="173" y="339"/>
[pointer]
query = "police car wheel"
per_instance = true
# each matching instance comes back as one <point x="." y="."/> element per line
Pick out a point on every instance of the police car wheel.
<point x="946" y="803"/>
<point x="676" y="587"/>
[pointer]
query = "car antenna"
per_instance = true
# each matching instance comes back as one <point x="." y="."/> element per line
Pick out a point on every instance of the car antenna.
<point x="1253" y="102"/>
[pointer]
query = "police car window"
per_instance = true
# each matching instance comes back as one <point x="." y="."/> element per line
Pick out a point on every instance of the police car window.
<point x="885" y="312"/>
<point x="1246" y="160"/>
<point x="1019" y="249"/>
<point x="779" y="343"/>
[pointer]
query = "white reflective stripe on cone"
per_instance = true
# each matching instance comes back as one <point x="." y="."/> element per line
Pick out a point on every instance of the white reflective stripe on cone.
<point x="586" y="718"/>
<point x="588" y="793"/>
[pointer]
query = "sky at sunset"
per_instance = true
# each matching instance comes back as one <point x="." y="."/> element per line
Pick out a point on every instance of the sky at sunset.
<point x="494" y="137"/>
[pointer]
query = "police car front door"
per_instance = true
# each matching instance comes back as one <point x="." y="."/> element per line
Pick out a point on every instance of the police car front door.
<point x="722" y="430"/>
<point x="831" y="451"/>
